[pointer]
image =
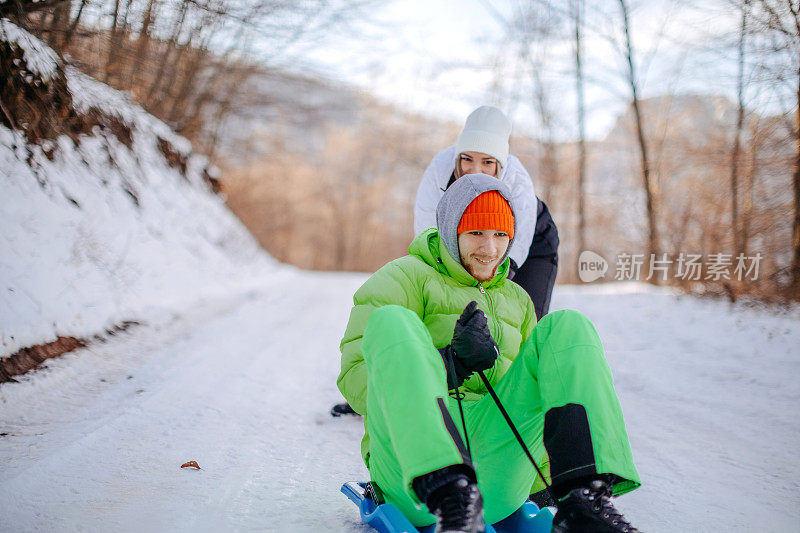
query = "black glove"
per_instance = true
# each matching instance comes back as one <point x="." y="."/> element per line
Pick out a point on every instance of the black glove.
<point x="512" y="268"/>
<point x="472" y="347"/>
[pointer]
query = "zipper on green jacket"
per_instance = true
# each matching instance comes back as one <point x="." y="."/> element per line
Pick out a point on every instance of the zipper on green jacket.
<point x="499" y="327"/>
<point x="496" y="318"/>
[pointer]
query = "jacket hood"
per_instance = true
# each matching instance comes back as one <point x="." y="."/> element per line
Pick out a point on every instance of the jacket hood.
<point x="455" y="201"/>
<point x="429" y="247"/>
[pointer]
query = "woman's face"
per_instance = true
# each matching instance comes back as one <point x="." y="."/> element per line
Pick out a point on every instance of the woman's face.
<point x="476" y="163"/>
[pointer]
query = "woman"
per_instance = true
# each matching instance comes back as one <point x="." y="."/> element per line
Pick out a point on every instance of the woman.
<point x="482" y="147"/>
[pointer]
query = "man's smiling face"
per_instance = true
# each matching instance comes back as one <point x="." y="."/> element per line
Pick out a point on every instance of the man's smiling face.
<point x="481" y="252"/>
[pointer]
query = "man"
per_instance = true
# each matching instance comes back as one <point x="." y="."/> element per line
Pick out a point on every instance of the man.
<point x="482" y="147"/>
<point x="425" y="323"/>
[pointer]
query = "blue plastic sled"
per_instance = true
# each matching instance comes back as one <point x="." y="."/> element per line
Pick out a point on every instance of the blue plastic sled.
<point x="386" y="518"/>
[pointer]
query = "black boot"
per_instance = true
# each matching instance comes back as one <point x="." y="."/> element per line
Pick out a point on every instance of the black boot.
<point x="452" y="495"/>
<point x="588" y="509"/>
<point x="342" y="409"/>
<point x="542" y="499"/>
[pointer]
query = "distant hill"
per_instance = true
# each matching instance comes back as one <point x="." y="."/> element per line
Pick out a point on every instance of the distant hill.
<point x="690" y="139"/>
<point x="297" y="107"/>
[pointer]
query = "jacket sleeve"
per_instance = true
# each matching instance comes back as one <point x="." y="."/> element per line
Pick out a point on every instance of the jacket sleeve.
<point x="529" y="323"/>
<point x="430" y="190"/>
<point x="525" y="200"/>
<point x="388" y="286"/>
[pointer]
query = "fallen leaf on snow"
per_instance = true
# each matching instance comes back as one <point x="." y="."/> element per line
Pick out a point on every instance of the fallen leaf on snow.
<point x="191" y="464"/>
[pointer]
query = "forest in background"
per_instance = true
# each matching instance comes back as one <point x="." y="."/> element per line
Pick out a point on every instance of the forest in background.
<point x="325" y="175"/>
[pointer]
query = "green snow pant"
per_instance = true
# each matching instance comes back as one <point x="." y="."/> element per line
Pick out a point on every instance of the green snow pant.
<point x="415" y="426"/>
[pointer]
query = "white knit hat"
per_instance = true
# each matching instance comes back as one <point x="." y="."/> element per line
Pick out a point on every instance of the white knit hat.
<point x="486" y="131"/>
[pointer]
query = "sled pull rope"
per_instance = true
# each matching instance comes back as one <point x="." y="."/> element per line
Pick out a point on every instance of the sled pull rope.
<point x="459" y="396"/>
<point x="451" y="369"/>
<point x="516" y="433"/>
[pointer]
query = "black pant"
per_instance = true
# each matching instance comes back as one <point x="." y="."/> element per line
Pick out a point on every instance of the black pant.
<point x="537" y="275"/>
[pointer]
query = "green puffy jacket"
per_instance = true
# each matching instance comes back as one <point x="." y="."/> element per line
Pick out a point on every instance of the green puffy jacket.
<point x="437" y="288"/>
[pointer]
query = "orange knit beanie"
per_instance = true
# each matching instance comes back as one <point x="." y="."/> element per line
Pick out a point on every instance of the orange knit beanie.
<point x="488" y="211"/>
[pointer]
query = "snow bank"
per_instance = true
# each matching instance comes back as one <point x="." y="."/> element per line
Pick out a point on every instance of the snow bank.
<point x="89" y="94"/>
<point x="103" y="230"/>
<point x="39" y="59"/>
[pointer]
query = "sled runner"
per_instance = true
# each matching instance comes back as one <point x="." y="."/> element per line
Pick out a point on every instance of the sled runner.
<point x="386" y="518"/>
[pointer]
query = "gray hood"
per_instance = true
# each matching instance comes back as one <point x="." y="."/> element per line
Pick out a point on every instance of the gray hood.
<point x="455" y="201"/>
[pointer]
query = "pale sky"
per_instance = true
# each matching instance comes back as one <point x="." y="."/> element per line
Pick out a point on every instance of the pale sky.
<point x="409" y="58"/>
<point x="438" y="57"/>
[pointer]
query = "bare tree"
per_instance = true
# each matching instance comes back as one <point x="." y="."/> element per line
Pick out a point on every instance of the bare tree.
<point x="756" y="135"/>
<point x="74" y="25"/>
<point x="778" y="21"/>
<point x="737" y="235"/>
<point x="532" y="27"/>
<point x="653" y="244"/>
<point x="577" y="14"/>
<point x="350" y="207"/>
<point x="19" y="9"/>
<point x="185" y="61"/>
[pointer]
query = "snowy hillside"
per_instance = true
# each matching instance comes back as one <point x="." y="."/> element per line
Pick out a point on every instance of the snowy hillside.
<point x="115" y="224"/>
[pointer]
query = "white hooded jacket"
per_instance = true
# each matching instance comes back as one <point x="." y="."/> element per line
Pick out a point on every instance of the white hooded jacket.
<point x="434" y="182"/>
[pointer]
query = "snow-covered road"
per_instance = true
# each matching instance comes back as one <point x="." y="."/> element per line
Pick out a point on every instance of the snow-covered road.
<point x="243" y="386"/>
